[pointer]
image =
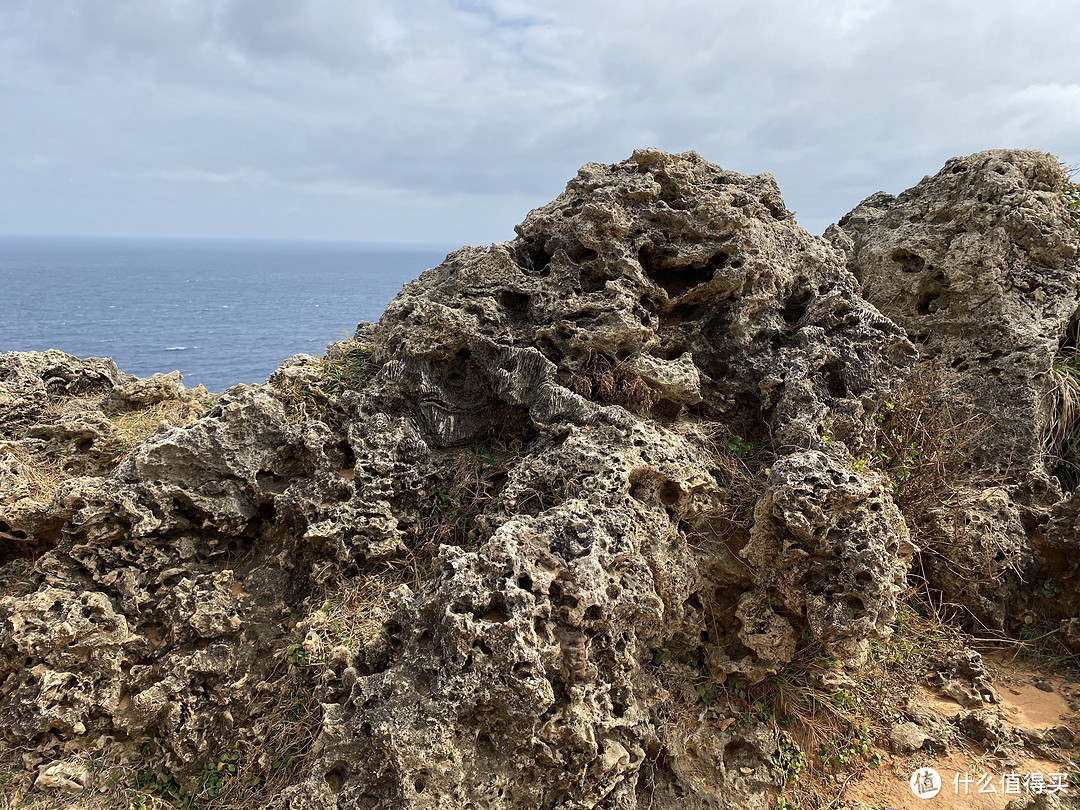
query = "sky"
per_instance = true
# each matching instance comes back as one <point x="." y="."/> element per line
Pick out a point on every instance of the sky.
<point x="446" y="121"/>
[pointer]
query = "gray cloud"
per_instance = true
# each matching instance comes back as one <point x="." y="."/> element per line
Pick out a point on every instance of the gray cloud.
<point x="446" y="121"/>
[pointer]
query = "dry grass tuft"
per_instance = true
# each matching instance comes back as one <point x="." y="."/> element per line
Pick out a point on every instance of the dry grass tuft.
<point x="741" y="471"/>
<point x="42" y="467"/>
<point x="135" y="425"/>
<point x="348" y="366"/>
<point x="40" y="475"/>
<point x="354" y="616"/>
<point x="1062" y="443"/>
<point x="610" y="383"/>
<point x="923" y="444"/>
<point x="474" y="481"/>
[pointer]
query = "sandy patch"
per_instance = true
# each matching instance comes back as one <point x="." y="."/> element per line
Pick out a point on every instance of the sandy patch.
<point x="888" y="785"/>
<point x="1023" y="705"/>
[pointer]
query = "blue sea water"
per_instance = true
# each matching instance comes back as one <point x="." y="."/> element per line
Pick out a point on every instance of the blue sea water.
<point x="220" y="311"/>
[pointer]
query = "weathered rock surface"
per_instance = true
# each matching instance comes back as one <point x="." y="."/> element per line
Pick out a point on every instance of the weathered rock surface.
<point x="978" y="264"/>
<point x="498" y="550"/>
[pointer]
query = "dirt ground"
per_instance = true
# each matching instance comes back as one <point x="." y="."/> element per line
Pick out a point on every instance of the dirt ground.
<point x="972" y="778"/>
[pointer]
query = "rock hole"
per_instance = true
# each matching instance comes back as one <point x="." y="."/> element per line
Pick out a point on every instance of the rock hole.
<point x="270" y="482"/>
<point x="925" y="301"/>
<point x="579" y="253"/>
<point x="670" y="492"/>
<point x="677" y="279"/>
<point x="795" y="308"/>
<point x="592" y="614"/>
<point x="459" y="368"/>
<point x="909" y="262"/>
<point x="496" y="615"/>
<point x="548" y="348"/>
<point x="538" y="257"/>
<point x="516" y="302"/>
<point x="525" y="582"/>
<point x="834" y="380"/>
<point x="591" y="282"/>
<point x="619" y="707"/>
<point x="484" y="744"/>
<point x="335" y="778"/>
<point x="639" y="489"/>
<point x="682" y="313"/>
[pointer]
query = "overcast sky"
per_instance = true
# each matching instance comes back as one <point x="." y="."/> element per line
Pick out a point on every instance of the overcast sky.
<point x="441" y="121"/>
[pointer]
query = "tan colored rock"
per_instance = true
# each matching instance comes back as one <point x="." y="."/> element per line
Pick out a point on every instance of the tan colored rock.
<point x="521" y="500"/>
<point x="978" y="264"/>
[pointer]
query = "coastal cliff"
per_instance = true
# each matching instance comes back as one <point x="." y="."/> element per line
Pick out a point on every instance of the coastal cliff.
<point x="637" y="510"/>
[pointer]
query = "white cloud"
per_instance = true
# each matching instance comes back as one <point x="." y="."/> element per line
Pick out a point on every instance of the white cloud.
<point x="247" y="107"/>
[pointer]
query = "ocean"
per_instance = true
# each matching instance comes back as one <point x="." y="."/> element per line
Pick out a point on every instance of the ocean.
<point x="221" y="312"/>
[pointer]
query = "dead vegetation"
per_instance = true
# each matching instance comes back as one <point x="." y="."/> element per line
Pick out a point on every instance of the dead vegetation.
<point x="475" y="477"/>
<point x="50" y="455"/>
<point x="841" y="720"/>
<point x="609" y="383"/>
<point x="347" y="366"/>
<point x="833" y="722"/>
<point x="270" y="754"/>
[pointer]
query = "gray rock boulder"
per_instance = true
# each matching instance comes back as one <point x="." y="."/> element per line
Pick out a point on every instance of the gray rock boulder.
<point x="500" y="548"/>
<point x="978" y="263"/>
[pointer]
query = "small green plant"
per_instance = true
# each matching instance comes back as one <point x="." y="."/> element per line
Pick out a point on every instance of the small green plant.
<point x="349" y="369"/>
<point x="898" y="459"/>
<point x="707" y="692"/>
<point x="859" y="465"/>
<point x="736" y="687"/>
<point x="661" y="656"/>
<point x="855" y="749"/>
<point x="738" y="446"/>
<point x="347" y="366"/>
<point x="297" y="655"/>
<point x="1071" y="192"/>
<point x="160" y="782"/>
<point x="215" y="776"/>
<point x="789" y="758"/>
<point x="1046" y="588"/>
<point x="825" y="431"/>
<point x="760" y="711"/>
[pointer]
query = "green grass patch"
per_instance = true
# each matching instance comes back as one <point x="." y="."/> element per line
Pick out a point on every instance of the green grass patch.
<point x="346" y="367"/>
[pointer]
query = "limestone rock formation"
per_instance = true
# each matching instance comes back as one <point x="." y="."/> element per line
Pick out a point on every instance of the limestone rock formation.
<point x="978" y="264"/>
<point x="508" y="546"/>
